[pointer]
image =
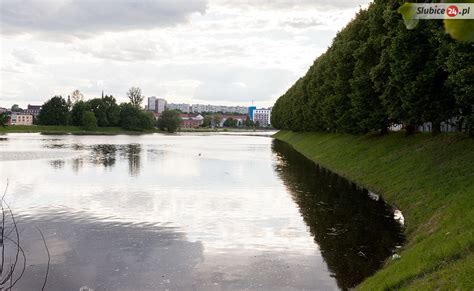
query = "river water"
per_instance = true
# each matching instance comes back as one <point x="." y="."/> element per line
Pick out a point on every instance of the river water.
<point x="186" y="212"/>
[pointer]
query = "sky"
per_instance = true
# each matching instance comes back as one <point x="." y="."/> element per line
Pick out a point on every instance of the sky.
<point x="226" y="52"/>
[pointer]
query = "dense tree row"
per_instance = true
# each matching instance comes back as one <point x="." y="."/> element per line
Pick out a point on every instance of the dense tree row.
<point x="377" y="73"/>
<point x="96" y="112"/>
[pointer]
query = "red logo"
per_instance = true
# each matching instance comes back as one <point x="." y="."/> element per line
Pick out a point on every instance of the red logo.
<point x="452" y="11"/>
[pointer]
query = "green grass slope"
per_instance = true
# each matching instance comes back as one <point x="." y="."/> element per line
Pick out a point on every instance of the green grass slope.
<point x="431" y="179"/>
<point x="62" y="129"/>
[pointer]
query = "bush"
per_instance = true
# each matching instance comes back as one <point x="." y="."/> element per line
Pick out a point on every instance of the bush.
<point x="169" y="120"/>
<point x="133" y="118"/>
<point x="54" y="112"/>
<point x="89" y="122"/>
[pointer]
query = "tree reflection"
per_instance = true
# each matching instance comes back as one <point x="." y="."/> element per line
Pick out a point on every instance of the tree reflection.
<point x="104" y="154"/>
<point x="77" y="164"/>
<point x="132" y="153"/>
<point x="355" y="233"/>
<point x="57" y="164"/>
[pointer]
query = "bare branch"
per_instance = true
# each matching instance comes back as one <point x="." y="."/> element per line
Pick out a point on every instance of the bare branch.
<point x="49" y="258"/>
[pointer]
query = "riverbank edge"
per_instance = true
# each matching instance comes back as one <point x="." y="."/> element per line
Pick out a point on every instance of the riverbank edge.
<point x="76" y="130"/>
<point x="430" y="180"/>
<point x="73" y="130"/>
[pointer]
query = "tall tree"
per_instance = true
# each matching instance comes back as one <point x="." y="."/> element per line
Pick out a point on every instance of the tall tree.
<point x="367" y="108"/>
<point x="54" y="112"/>
<point x="169" y="120"/>
<point x="135" y="96"/>
<point x="99" y="107"/>
<point x="460" y="82"/>
<point x="89" y="122"/>
<point x="112" y="110"/>
<point x="76" y="96"/>
<point x="16" y="108"/>
<point x="230" y="122"/>
<point x="132" y="118"/>
<point x="77" y="112"/>
<point x="3" y="119"/>
<point x="377" y="73"/>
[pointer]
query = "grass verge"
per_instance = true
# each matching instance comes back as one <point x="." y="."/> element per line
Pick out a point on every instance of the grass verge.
<point x="76" y="130"/>
<point x="431" y="179"/>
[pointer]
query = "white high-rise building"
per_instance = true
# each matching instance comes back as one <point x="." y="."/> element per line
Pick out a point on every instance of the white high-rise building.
<point x="198" y="108"/>
<point x="151" y="104"/>
<point x="160" y="105"/>
<point x="185" y="108"/>
<point x="156" y="105"/>
<point x="263" y="116"/>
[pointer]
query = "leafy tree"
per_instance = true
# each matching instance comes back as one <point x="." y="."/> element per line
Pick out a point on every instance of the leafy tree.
<point x="207" y="121"/>
<point x="112" y="110"/>
<point x="3" y="119"/>
<point x="367" y="108"/>
<point x="77" y="112"/>
<point x="248" y="123"/>
<point x="106" y="111"/>
<point x="54" y="112"/>
<point x="16" y="108"/>
<point x="169" y="120"/>
<point x="146" y="120"/>
<point x="99" y="107"/>
<point x="460" y="82"/>
<point x="89" y="122"/>
<point x="135" y="96"/>
<point x="133" y="118"/>
<point x="217" y="119"/>
<point x="230" y="122"/>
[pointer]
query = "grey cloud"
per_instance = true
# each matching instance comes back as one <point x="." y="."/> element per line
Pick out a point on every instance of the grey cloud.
<point x="241" y="83"/>
<point x="138" y="50"/>
<point x="10" y="69"/>
<point x="25" y="56"/>
<point x="85" y="17"/>
<point x="284" y="4"/>
<point x="302" y="23"/>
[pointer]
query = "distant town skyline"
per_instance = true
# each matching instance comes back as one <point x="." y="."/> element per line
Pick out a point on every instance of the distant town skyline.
<point x="204" y="52"/>
<point x="144" y="103"/>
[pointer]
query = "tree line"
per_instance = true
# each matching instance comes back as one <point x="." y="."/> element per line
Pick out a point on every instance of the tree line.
<point x="97" y="112"/>
<point x="377" y="73"/>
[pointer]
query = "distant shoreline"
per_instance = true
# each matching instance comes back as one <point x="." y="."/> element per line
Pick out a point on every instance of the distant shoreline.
<point x="77" y="130"/>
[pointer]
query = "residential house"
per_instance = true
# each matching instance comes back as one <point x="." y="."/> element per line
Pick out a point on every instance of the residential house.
<point x="191" y="120"/>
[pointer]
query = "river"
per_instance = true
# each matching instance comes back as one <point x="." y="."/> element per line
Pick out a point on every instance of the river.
<point x="186" y="212"/>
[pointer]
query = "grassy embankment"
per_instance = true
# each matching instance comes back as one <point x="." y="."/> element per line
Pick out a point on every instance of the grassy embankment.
<point x="227" y="129"/>
<point x="60" y="129"/>
<point x="431" y="179"/>
<point x="77" y="130"/>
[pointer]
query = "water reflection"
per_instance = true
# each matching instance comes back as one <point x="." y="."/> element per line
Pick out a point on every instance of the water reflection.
<point x="77" y="164"/>
<point x="57" y="164"/>
<point x="105" y="255"/>
<point x="103" y="154"/>
<point x="207" y="212"/>
<point x="354" y="232"/>
<point x="132" y="153"/>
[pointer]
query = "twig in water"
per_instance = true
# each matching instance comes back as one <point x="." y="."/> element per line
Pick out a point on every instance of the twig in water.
<point x="49" y="258"/>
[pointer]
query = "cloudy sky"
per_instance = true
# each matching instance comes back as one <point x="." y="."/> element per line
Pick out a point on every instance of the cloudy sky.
<point x="196" y="51"/>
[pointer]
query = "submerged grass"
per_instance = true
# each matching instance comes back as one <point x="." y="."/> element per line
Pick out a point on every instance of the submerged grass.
<point x="431" y="179"/>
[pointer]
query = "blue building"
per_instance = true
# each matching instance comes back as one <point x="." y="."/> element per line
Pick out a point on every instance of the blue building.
<point x="251" y="110"/>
